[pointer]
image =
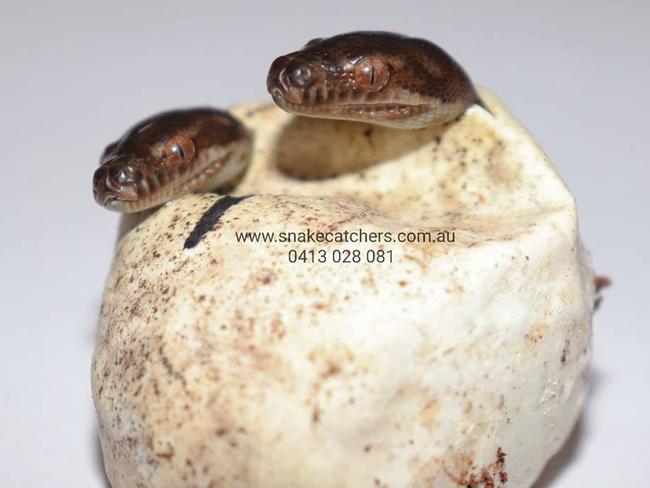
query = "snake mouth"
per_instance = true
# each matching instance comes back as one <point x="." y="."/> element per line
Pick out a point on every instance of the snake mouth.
<point x="148" y="192"/>
<point x="119" y="202"/>
<point x="387" y="111"/>
<point x="362" y="111"/>
<point x="112" y="202"/>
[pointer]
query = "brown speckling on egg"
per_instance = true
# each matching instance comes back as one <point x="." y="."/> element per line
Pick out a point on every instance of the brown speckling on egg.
<point x="222" y="364"/>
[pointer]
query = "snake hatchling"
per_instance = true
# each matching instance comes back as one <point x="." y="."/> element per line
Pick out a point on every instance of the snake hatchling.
<point x="372" y="77"/>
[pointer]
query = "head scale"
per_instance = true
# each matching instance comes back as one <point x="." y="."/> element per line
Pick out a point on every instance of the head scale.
<point x="377" y="77"/>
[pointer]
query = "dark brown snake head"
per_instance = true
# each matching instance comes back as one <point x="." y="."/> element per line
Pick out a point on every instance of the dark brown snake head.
<point x="170" y="154"/>
<point x="377" y="77"/>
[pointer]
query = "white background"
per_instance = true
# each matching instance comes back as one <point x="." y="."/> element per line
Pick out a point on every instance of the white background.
<point x="75" y="74"/>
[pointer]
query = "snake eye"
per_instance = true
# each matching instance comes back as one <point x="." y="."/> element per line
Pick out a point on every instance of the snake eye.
<point x="301" y="77"/>
<point x="179" y="149"/>
<point x="371" y="74"/>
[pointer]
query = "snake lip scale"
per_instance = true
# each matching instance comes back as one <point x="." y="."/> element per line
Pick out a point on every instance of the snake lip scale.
<point x="354" y="111"/>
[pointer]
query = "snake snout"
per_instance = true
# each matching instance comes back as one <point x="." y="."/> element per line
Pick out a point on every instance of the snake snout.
<point x="293" y="78"/>
<point x="101" y="191"/>
<point x="283" y="91"/>
<point x="113" y="184"/>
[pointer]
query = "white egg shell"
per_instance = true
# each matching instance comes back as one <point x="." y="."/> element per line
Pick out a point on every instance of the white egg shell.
<point x="459" y="363"/>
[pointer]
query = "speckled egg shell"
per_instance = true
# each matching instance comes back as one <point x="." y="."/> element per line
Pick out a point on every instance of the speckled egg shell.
<point x="222" y="364"/>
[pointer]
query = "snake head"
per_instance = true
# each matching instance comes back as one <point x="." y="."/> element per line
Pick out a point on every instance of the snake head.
<point x="170" y="154"/>
<point x="378" y="77"/>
